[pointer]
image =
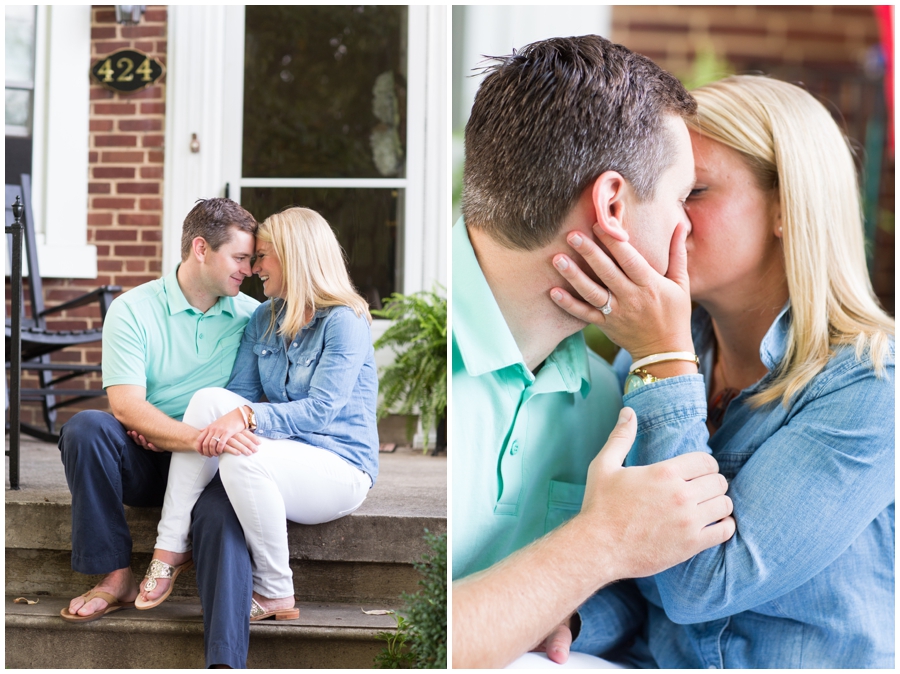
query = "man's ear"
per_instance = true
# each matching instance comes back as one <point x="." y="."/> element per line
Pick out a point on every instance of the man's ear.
<point x="199" y="247"/>
<point x="608" y="197"/>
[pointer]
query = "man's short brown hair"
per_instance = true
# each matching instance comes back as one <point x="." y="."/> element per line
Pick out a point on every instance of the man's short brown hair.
<point x="212" y="219"/>
<point x="549" y="119"/>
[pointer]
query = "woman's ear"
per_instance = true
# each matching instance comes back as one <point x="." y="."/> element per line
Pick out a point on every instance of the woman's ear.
<point x="608" y="197"/>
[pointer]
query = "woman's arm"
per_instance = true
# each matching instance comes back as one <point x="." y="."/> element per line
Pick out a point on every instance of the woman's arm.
<point x="245" y="373"/>
<point x="800" y="500"/>
<point x="347" y="344"/>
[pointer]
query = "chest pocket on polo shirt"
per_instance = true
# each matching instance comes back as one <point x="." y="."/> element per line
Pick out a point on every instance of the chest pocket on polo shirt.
<point x="303" y="364"/>
<point x="267" y="358"/>
<point x="564" y="503"/>
<point x="226" y="352"/>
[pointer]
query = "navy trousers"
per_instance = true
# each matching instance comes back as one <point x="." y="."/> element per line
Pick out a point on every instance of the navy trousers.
<point x="106" y="469"/>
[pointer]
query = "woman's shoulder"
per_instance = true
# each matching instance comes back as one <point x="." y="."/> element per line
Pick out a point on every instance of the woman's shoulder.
<point x="848" y="368"/>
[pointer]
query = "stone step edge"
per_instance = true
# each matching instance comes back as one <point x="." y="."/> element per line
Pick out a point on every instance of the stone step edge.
<point x="145" y="622"/>
<point x="347" y="539"/>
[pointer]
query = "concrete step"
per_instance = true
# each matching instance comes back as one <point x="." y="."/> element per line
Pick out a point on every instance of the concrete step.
<point x="327" y="635"/>
<point x="365" y="556"/>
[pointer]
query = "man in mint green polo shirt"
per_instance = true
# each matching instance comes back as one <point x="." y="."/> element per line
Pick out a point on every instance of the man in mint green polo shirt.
<point x="563" y="134"/>
<point x="162" y="341"/>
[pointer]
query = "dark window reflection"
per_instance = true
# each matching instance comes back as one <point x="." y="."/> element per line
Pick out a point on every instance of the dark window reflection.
<point x="364" y="221"/>
<point x="325" y="92"/>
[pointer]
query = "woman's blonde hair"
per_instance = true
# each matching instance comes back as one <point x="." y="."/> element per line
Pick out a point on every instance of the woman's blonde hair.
<point x="314" y="273"/>
<point x="793" y="145"/>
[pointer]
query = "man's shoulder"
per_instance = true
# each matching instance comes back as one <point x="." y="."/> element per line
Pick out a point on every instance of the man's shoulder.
<point x="245" y="306"/>
<point x="139" y="296"/>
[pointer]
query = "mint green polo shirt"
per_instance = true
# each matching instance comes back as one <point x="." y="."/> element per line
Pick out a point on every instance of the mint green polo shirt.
<point x="521" y="443"/>
<point x="153" y="338"/>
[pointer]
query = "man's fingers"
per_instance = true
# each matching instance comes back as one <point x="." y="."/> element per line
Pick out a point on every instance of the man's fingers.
<point x="690" y="466"/>
<point x="620" y="440"/>
<point x="707" y="487"/>
<point x="715" y="509"/>
<point x="717" y="533"/>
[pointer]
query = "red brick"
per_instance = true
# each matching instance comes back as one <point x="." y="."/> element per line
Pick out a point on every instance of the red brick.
<point x="113" y="203"/>
<point x="103" y="33"/>
<point x="151" y="235"/>
<point x="109" y="265"/>
<point x="153" y="108"/>
<point x="113" y="172"/>
<point x="140" y="124"/>
<point x="93" y="157"/>
<point x="153" y="141"/>
<point x="90" y="282"/>
<point x="151" y="205"/>
<point x="69" y="325"/>
<point x="98" y="93"/>
<point x="98" y="188"/>
<point x="137" y="188"/>
<point x="100" y="219"/>
<point x="162" y="47"/>
<point x="155" y="265"/>
<point x="102" y="251"/>
<point x="145" y="46"/>
<point x="138" y="220"/>
<point x="104" y="15"/>
<point x="151" y="172"/>
<point x="62" y="295"/>
<point x="136" y="265"/>
<point x="114" y="108"/>
<point x="115" y="141"/>
<point x="150" y="92"/>
<point x="156" y="15"/>
<point x="101" y="125"/>
<point x="107" y="48"/>
<point x="115" y="234"/>
<point x="136" y="280"/>
<point x="122" y="157"/>
<point x="142" y="30"/>
<point x="136" y="251"/>
<point x="156" y="157"/>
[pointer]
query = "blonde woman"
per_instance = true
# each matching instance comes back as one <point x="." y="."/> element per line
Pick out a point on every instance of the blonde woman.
<point x="310" y="453"/>
<point x="795" y="401"/>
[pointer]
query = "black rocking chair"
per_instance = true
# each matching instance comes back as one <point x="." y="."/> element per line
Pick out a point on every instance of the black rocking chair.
<point x="38" y="341"/>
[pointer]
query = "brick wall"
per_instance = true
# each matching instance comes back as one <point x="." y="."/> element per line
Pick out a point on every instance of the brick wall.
<point x="824" y="47"/>
<point x="125" y="188"/>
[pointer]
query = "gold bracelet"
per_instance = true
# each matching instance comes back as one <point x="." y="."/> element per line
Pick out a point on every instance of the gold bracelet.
<point x="244" y="415"/>
<point x="664" y="358"/>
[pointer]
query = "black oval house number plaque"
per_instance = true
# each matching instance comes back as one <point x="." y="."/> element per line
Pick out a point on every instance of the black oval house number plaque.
<point x="127" y="70"/>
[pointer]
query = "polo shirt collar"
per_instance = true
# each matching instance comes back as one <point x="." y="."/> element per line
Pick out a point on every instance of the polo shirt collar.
<point x="484" y="339"/>
<point x="177" y="302"/>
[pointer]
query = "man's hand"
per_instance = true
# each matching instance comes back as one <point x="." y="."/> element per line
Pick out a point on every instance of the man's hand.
<point x="657" y="516"/>
<point x="143" y="442"/>
<point x="633" y="522"/>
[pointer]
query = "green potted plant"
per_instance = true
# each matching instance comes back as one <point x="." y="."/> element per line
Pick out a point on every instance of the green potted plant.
<point x="416" y="382"/>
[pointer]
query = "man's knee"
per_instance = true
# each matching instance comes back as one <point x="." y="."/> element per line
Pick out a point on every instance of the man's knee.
<point x="89" y="430"/>
<point x="212" y="514"/>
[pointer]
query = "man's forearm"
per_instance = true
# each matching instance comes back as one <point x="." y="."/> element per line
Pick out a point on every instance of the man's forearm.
<point x="503" y="611"/>
<point x="136" y="414"/>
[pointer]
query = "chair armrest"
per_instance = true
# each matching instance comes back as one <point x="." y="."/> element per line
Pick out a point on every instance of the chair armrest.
<point x="103" y="295"/>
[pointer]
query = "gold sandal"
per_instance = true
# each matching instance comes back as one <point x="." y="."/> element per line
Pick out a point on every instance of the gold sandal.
<point x="257" y="612"/>
<point x="159" y="569"/>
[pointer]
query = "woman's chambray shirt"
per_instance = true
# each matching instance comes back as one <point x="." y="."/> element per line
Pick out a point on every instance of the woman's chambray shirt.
<point x="321" y="386"/>
<point x="807" y="580"/>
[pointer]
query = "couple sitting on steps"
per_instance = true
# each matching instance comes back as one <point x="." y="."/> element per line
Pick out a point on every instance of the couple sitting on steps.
<point x="227" y="469"/>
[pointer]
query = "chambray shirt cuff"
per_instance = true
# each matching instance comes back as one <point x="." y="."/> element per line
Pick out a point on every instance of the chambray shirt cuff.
<point x="264" y="425"/>
<point x="668" y="401"/>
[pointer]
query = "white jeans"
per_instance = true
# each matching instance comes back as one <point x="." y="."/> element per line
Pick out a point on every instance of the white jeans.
<point x="283" y="480"/>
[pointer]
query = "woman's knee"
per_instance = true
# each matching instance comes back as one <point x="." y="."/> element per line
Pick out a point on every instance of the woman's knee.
<point x="208" y="404"/>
